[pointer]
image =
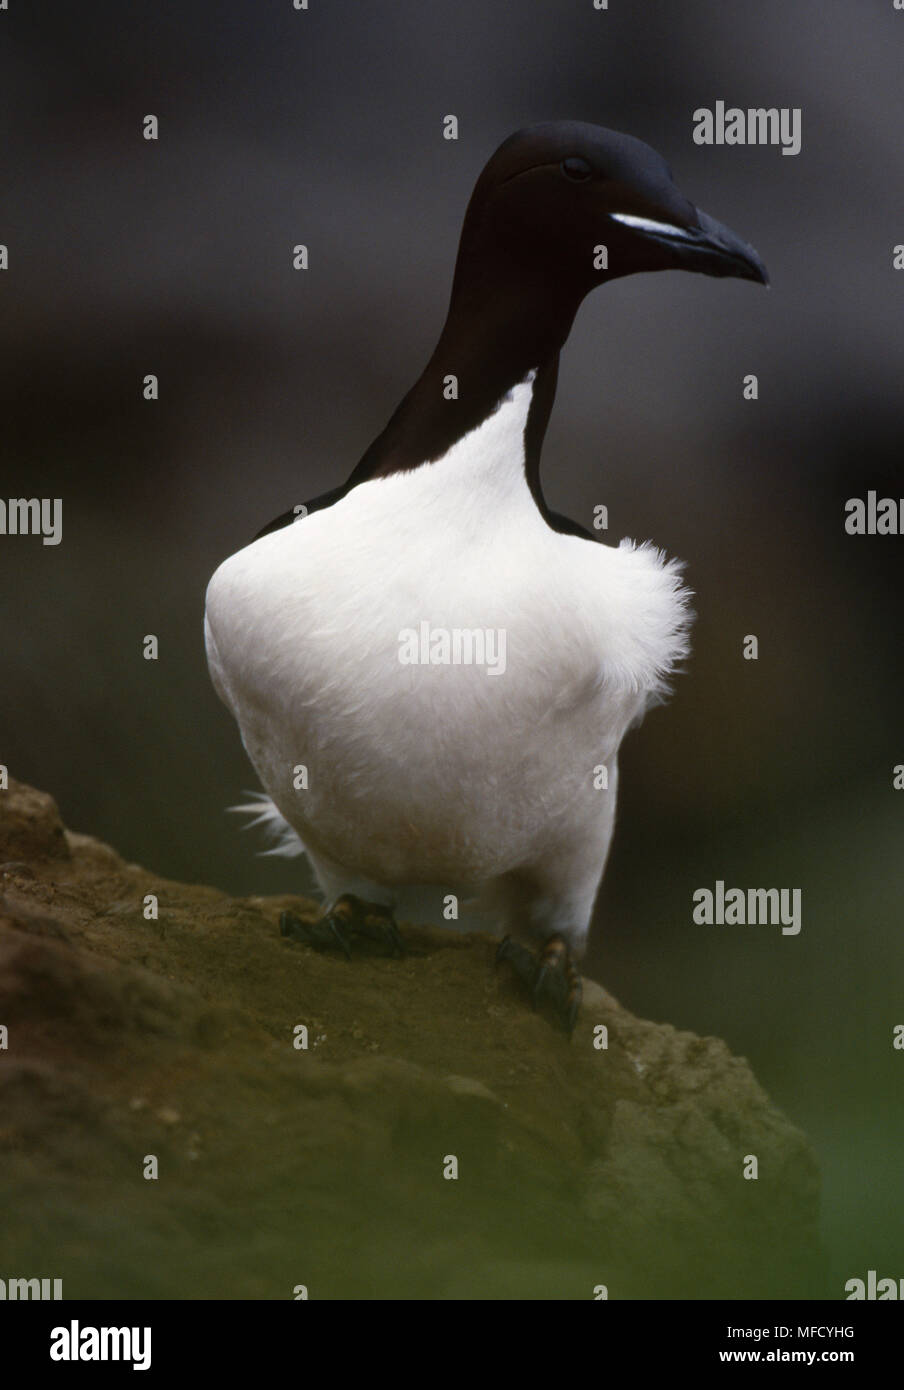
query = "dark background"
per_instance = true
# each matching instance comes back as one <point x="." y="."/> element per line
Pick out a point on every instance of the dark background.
<point x="325" y="127"/>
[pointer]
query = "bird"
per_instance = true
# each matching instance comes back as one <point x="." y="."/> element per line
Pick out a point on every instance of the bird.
<point x="431" y="670"/>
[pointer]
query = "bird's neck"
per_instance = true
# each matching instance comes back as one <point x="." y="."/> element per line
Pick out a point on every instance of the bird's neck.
<point x="494" y="336"/>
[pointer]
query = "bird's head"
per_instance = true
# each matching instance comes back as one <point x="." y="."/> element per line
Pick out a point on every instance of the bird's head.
<point x="572" y="206"/>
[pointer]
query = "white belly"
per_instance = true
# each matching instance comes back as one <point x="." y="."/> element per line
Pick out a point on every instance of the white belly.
<point x="436" y="773"/>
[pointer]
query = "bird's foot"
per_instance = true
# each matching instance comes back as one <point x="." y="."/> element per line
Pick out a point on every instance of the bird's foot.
<point x="550" y="975"/>
<point x="347" y="918"/>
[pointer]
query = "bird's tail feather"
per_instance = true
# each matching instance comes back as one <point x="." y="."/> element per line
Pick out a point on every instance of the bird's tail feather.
<point x="285" y="841"/>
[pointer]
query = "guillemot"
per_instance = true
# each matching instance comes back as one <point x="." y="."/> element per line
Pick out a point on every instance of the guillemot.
<point x="392" y="773"/>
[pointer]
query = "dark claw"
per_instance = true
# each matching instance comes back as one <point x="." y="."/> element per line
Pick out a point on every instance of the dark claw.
<point x="541" y="975"/>
<point x="522" y="961"/>
<point x="384" y="931"/>
<point x="338" y="935"/>
<point x="322" y="934"/>
<point x="550" y="976"/>
<point x="291" y="926"/>
<point x="348" y="918"/>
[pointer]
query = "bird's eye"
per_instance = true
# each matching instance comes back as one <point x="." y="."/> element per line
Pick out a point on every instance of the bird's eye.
<point x="576" y="169"/>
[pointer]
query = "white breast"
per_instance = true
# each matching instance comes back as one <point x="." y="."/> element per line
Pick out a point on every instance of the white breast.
<point x="442" y="773"/>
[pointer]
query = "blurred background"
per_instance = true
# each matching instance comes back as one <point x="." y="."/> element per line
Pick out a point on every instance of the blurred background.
<point x="174" y="257"/>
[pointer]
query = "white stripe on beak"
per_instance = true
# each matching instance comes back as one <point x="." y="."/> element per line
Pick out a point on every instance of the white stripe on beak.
<point x="646" y="224"/>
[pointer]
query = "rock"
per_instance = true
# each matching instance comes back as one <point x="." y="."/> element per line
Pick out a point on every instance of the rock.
<point x="30" y="826"/>
<point x="435" y="1139"/>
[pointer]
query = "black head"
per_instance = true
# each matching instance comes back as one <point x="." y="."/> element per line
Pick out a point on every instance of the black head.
<point x="547" y="200"/>
<point x="554" y="193"/>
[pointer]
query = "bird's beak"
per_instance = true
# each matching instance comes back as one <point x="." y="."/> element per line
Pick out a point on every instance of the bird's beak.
<point x="707" y="247"/>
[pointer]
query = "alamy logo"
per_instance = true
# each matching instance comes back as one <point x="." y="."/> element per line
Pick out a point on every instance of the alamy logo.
<point x="76" y="1343"/>
<point x="873" y="1288"/>
<point x="32" y="516"/>
<point x="758" y="125"/>
<point x="751" y="906"/>
<point x="876" y="516"/>
<point x="456" y="646"/>
<point x="22" y="1289"/>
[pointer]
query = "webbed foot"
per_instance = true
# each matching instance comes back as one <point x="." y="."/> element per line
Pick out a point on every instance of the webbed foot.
<point x="345" y="920"/>
<point x="550" y="975"/>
